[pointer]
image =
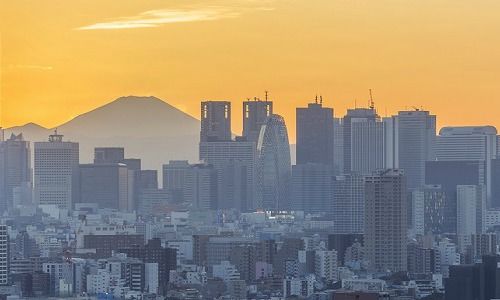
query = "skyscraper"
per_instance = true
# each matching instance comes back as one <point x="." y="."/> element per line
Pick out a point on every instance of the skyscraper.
<point x="312" y="188"/>
<point x="200" y="186"/>
<point x="274" y="164"/>
<point x="15" y="168"/>
<point x="315" y="134"/>
<point x="428" y="204"/>
<point x="56" y="172"/>
<point x="107" y="185"/>
<point x="385" y="221"/>
<point x="450" y="174"/>
<point x="361" y="140"/>
<point x="469" y="143"/>
<point x="348" y="205"/>
<point x="255" y="114"/>
<point x="215" y="121"/>
<point x="174" y="174"/>
<point x="109" y="155"/>
<point x="471" y="202"/>
<point x="235" y="164"/>
<point x="416" y="138"/>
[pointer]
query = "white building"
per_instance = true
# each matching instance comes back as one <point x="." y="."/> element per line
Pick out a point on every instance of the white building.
<point x="302" y="287"/>
<point x="471" y="202"/>
<point x="56" y="172"/>
<point x="225" y="271"/>
<point x="326" y="265"/>
<point x="4" y="255"/>
<point x="364" y="285"/>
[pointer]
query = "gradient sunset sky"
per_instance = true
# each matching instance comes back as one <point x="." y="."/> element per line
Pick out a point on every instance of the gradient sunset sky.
<point x="61" y="58"/>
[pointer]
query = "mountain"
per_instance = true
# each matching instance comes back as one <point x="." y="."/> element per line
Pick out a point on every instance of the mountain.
<point x="147" y="127"/>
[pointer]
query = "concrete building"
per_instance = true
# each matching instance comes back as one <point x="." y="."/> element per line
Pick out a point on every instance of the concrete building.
<point x="385" y="221"/>
<point x="4" y="255"/>
<point x="15" y="168"/>
<point x="109" y="155"/>
<point x="312" y="188"/>
<point x="56" y="172"/>
<point x="348" y="205"/>
<point x="411" y="138"/>
<point x="428" y="204"/>
<point x="107" y="184"/>
<point x="471" y="209"/>
<point x="215" y="121"/>
<point x="315" y="134"/>
<point x="255" y="114"/>
<point x="174" y="174"/>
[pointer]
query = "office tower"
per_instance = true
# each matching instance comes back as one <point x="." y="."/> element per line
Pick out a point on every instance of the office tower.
<point x="56" y="172"/>
<point x="315" y="134"/>
<point x="391" y="158"/>
<point x="106" y="184"/>
<point x="235" y="164"/>
<point x="423" y="261"/>
<point x="428" y="204"/>
<point x="471" y="202"/>
<point x="173" y="178"/>
<point x="363" y="141"/>
<point x="215" y="121"/>
<point x="200" y="186"/>
<point x="274" y="164"/>
<point x="15" y="168"/>
<point x="483" y="244"/>
<point x="312" y="188"/>
<point x="413" y="143"/>
<point x="152" y="202"/>
<point x="148" y="179"/>
<point x="469" y="143"/>
<point x="385" y="221"/>
<point x="109" y="155"/>
<point x="450" y="174"/>
<point x="348" y="205"/>
<point x="495" y="183"/>
<point x="4" y="255"/>
<point x="338" y="146"/>
<point x="255" y="114"/>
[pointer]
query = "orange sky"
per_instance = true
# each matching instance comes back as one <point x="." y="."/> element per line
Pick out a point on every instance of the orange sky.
<point x="61" y="58"/>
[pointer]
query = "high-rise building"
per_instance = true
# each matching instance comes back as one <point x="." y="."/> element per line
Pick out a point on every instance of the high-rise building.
<point x="411" y="139"/>
<point x="215" y="121"/>
<point x="56" y="172"/>
<point x="174" y="174"/>
<point x="200" y="186"/>
<point x="109" y="155"/>
<point x="15" y="168"/>
<point x="471" y="209"/>
<point x="428" y="203"/>
<point x="255" y="114"/>
<point x="348" y="205"/>
<point x="315" y="134"/>
<point x="469" y="143"/>
<point x="495" y="183"/>
<point x="450" y="174"/>
<point x="483" y="244"/>
<point x="385" y="221"/>
<point x="363" y="141"/>
<point x="106" y="184"/>
<point x="312" y="188"/>
<point x="4" y="255"/>
<point x="274" y="164"/>
<point x="235" y="164"/>
<point x="338" y="146"/>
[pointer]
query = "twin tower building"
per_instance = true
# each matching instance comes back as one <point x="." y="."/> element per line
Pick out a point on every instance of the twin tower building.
<point x="251" y="171"/>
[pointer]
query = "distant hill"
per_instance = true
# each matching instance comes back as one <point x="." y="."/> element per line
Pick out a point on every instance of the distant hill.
<point x="147" y="127"/>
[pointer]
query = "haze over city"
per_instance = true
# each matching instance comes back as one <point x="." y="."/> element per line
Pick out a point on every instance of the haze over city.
<point x="249" y="150"/>
<point x="64" y="58"/>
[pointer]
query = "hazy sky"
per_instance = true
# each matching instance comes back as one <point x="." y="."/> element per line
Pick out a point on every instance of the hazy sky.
<point x="61" y="58"/>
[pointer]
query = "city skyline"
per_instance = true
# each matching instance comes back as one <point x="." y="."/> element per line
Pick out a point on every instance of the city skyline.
<point x="430" y="61"/>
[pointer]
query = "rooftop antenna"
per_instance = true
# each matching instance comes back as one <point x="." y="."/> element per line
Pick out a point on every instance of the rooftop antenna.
<point x="372" y="104"/>
<point x="355" y="103"/>
<point x="267" y="92"/>
<point x="316" y="99"/>
<point x="320" y="99"/>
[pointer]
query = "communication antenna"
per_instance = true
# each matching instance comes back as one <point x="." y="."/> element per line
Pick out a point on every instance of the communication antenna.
<point x="316" y="99"/>
<point x="267" y="92"/>
<point x="372" y="103"/>
<point x="320" y="99"/>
